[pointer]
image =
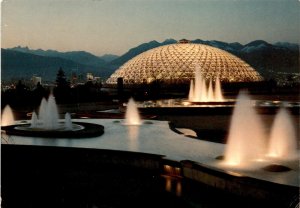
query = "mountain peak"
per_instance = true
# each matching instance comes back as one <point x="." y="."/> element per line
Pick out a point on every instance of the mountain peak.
<point x="257" y="43"/>
<point x="169" y="41"/>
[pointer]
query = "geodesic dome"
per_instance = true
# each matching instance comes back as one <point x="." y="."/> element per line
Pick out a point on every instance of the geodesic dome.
<point x="176" y="63"/>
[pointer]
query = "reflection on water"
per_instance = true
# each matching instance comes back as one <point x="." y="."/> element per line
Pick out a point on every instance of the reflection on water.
<point x="168" y="184"/>
<point x="133" y="135"/>
<point x="173" y="185"/>
<point x="178" y="188"/>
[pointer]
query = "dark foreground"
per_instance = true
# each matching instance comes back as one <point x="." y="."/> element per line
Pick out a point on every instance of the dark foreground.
<point x="36" y="177"/>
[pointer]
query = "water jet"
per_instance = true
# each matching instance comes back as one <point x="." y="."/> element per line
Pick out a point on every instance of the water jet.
<point x="199" y="92"/>
<point x="246" y="139"/>
<point x="7" y="116"/>
<point x="48" y="124"/>
<point x="132" y="116"/>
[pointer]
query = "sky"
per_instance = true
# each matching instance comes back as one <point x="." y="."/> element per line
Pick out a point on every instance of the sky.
<point x="114" y="26"/>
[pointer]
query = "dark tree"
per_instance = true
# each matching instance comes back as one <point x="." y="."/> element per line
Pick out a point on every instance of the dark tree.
<point x="61" y="80"/>
<point x="62" y="91"/>
<point x="20" y="87"/>
<point x="38" y="93"/>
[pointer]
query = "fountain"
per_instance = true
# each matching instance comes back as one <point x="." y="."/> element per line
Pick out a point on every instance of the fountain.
<point x="199" y="92"/>
<point x="246" y="140"/>
<point x="218" y="91"/>
<point x="7" y="116"/>
<point x="132" y="121"/>
<point x="202" y="97"/>
<point x="132" y="116"/>
<point x="51" y="115"/>
<point x="68" y="122"/>
<point x="47" y="124"/>
<point x="48" y="118"/>
<point x="283" y="142"/>
<point x="34" y="120"/>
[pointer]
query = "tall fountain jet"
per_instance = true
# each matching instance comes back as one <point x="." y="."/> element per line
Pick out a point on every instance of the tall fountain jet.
<point x="132" y="116"/>
<point x="51" y="118"/>
<point x="191" y="92"/>
<point x="133" y="122"/>
<point x="246" y="139"/>
<point x="218" y="91"/>
<point x="7" y="116"/>
<point x="199" y="92"/>
<point x="283" y="141"/>
<point x="48" y="117"/>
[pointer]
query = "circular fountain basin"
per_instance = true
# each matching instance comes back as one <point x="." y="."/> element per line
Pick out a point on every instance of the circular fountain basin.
<point x="79" y="130"/>
<point x="61" y="127"/>
<point x="133" y="124"/>
<point x="276" y="168"/>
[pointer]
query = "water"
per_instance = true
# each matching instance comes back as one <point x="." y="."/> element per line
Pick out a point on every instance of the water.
<point x="132" y="116"/>
<point x="283" y="141"/>
<point x="7" y="116"/>
<point x="218" y="91"/>
<point x="48" y="117"/>
<point x="50" y="121"/>
<point x="34" y="120"/>
<point x="199" y="92"/>
<point x="191" y="92"/>
<point x="43" y="109"/>
<point x="247" y="139"/>
<point x="132" y="121"/>
<point x="68" y="122"/>
<point x="210" y="93"/>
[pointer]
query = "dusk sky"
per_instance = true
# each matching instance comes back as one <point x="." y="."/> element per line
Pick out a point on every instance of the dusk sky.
<point x="114" y="26"/>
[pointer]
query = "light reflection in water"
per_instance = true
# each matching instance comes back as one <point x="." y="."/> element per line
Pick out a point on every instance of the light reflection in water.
<point x="133" y="135"/>
<point x="168" y="184"/>
<point x="173" y="185"/>
<point x="178" y="188"/>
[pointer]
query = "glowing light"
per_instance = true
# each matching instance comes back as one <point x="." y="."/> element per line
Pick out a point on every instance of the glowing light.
<point x="185" y="103"/>
<point x="260" y="160"/>
<point x="172" y="171"/>
<point x="175" y="63"/>
<point x="132" y="116"/>
<point x="283" y="141"/>
<point x="7" y="116"/>
<point x="168" y="184"/>
<point x="246" y="140"/>
<point x="178" y="188"/>
<point x="199" y="91"/>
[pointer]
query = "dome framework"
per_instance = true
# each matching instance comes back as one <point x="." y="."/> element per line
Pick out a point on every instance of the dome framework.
<point x="176" y="63"/>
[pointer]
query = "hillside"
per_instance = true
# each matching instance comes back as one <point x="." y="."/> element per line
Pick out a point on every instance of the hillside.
<point x="23" y="62"/>
<point x="18" y="65"/>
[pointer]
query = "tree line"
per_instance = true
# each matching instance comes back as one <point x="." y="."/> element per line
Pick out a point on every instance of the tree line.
<point x="22" y="95"/>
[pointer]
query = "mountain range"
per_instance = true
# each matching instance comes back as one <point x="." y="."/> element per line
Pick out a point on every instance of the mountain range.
<point x="22" y="62"/>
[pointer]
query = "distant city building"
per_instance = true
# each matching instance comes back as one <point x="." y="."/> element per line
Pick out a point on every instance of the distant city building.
<point x="89" y="77"/>
<point x="35" y="80"/>
<point x="97" y="80"/>
<point x="80" y="79"/>
<point x="74" y="79"/>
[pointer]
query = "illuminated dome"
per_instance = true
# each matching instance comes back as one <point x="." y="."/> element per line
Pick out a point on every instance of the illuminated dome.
<point x="176" y="63"/>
